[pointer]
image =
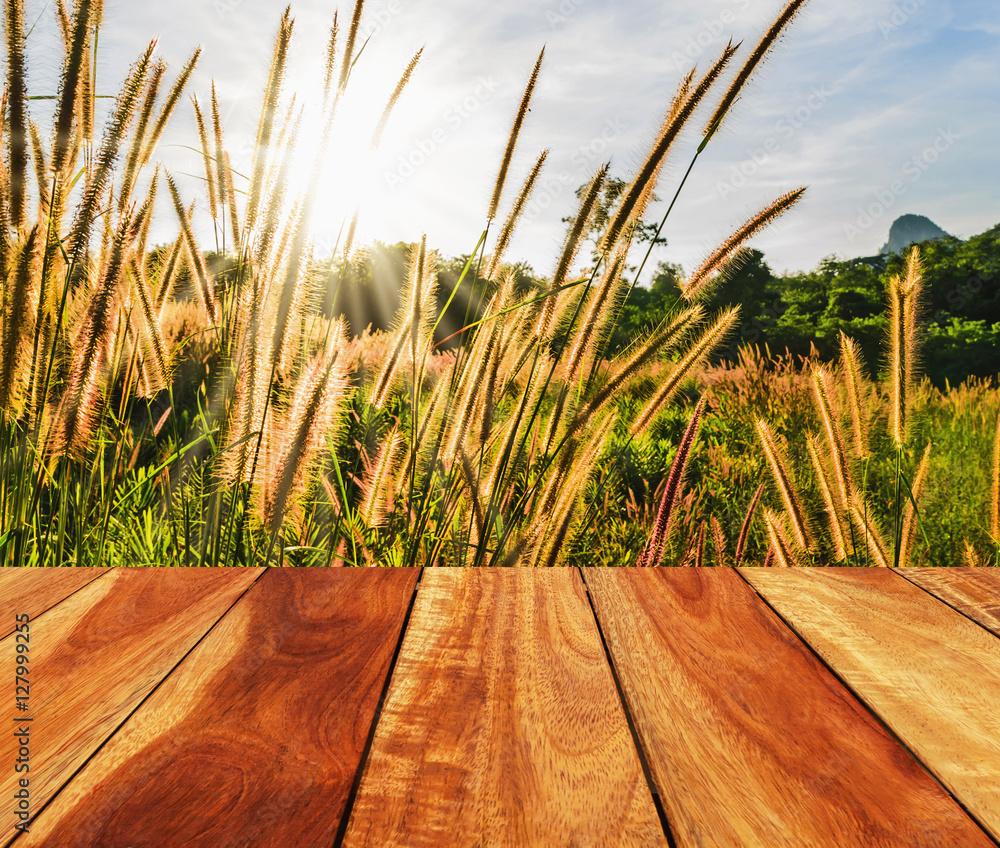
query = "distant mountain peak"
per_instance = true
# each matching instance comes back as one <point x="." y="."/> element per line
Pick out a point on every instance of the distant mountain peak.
<point x="910" y="229"/>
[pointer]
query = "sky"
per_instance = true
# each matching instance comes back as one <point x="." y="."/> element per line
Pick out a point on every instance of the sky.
<point x="879" y="107"/>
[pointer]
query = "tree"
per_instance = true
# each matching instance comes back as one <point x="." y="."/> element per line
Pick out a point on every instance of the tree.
<point x="608" y="198"/>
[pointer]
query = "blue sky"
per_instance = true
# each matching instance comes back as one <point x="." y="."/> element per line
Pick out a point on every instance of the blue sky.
<point x="881" y="107"/>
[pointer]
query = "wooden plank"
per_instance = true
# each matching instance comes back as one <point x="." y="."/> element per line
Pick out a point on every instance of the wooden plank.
<point x="31" y="591"/>
<point x="931" y="674"/>
<point x="256" y="738"/>
<point x="751" y="741"/>
<point x="973" y="591"/>
<point x="502" y="725"/>
<point x="95" y="656"/>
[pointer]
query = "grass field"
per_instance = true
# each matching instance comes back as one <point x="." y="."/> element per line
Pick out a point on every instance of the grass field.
<point x="728" y="464"/>
<point x="159" y="411"/>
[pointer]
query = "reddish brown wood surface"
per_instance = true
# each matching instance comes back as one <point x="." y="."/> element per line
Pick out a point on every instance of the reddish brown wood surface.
<point x="502" y="726"/>
<point x="96" y="655"/>
<point x="256" y="737"/>
<point x="973" y="591"/>
<point x="751" y="741"/>
<point x="931" y="674"/>
<point x="31" y="591"/>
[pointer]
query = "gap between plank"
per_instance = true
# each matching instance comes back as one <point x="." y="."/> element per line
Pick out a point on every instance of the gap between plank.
<point x="138" y="706"/>
<point x="868" y="708"/>
<point x="345" y="818"/>
<point x="62" y="600"/>
<point x="657" y="801"/>
<point x="945" y="601"/>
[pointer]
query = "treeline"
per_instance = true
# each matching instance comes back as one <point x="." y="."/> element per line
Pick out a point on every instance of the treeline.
<point x="366" y="290"/>
<point x="793" y="313"/>
<point x="960" y="313"/>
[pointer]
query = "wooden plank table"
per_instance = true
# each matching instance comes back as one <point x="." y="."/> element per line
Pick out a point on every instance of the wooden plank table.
<point x="503" y="726"/>
<point x="31" y="591"/>
<point x="93" y="658"/>
<point x="929" y="672"/>
<point x="751" y="740"/>
<point x="392" y="707"/>
<point x="974" y="592"/>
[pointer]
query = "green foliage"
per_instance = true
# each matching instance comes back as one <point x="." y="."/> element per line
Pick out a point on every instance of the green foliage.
<point x="960" y="313"/>
<point x="804" y="314"/>
<point x="751" y="286"/>
<point x="727" y="465"/>
<point x="366" y="290"/>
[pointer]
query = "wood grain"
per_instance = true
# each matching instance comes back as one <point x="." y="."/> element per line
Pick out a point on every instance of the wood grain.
<point x="751" y="741"/>
<point x="973" y="591"/>
<point x="255" y="739"/>
<point x="96" y="655"/>
<point x="502" y="725"/>
<point x="34" y="590"/>
<point x="926" y="670"/>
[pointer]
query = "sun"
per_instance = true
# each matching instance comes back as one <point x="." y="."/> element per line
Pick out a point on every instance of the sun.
<point x="341" y="177"/>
